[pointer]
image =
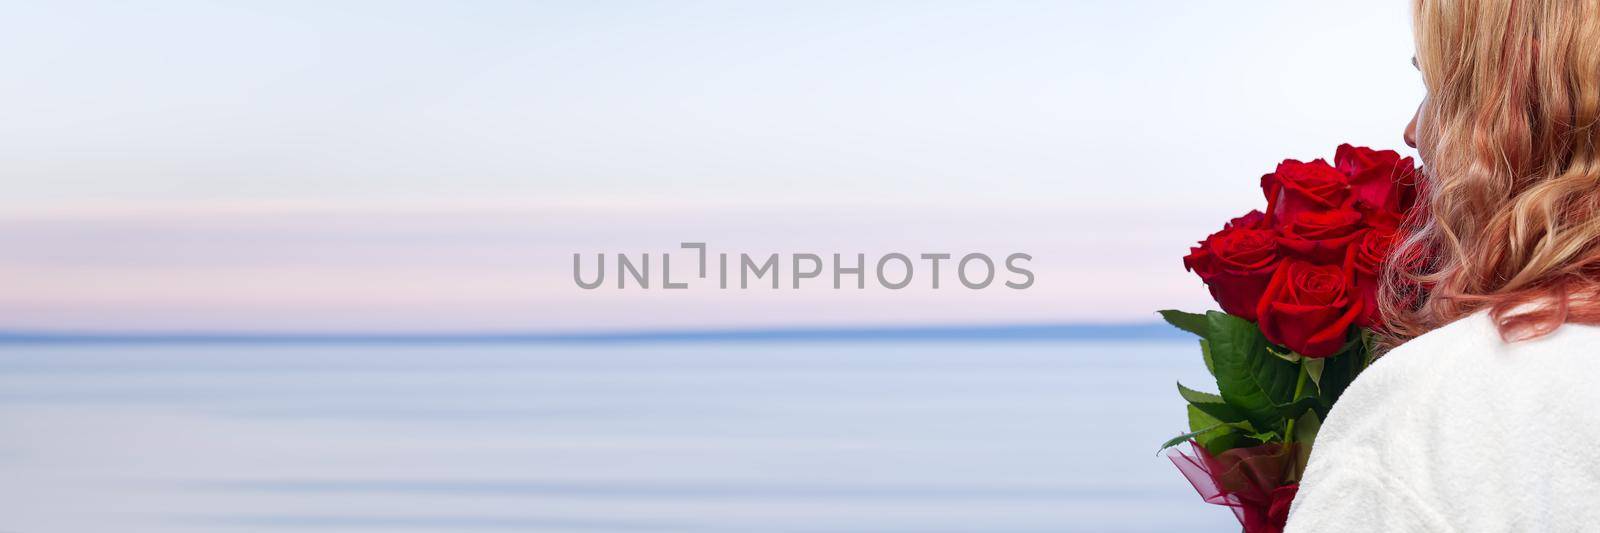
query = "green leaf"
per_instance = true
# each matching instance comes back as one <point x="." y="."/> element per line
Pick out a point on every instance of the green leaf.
<point x="1212" y="405"/>
<point x="1306" y="428"/>
<point x="1286" y="355"/>
<point x="1369" y="347"/>
<point x="1337" y="373"/>
<point x="1200" y="421"/>
<point x="1214" y="435"/>
<point x="1194" y="396"/>
<point x="1307" y="402"/>
<point x="1191" y="322"/>
<point x="1305" y="434"/>
<point x="1260" y="384"/>
<point x="1314" y="370"/>
<point x="1184" y="437"/>
<point x="1205" y="353"/>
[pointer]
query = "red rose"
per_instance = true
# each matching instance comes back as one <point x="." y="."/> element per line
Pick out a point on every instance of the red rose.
<point x="1298" y="187"/>
<point x="1236" y="263"/>
<point x="1308" y="308"/>
<point x="1364" y="262"/>
<point x="1278" y="512"/>
<point x="1253" y="220"/>
<point x="1382" y="220"/>
<point x="1321" y="236"/>
<point x="1380" y="180"/>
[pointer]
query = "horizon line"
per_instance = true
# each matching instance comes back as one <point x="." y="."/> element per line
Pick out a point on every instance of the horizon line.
<point x="1123" y="331"/>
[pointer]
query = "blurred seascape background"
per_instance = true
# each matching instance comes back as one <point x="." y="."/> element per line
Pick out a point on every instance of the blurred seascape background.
<point x="194" y="191"/>
<point x="800" y="436"/>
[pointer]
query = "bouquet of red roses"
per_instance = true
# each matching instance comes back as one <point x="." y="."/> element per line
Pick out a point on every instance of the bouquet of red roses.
<point x="1297" y="285"/>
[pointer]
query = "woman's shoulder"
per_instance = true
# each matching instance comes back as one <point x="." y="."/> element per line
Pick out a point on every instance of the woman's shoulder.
<point x="1444" y="374"/>
<point x="1417" y="368"/>
<point x="1470" y="352"/>
<point x="1458" y="409"/>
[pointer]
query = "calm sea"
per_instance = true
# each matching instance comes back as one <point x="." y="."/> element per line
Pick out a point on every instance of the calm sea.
<point x="804" y="437"/>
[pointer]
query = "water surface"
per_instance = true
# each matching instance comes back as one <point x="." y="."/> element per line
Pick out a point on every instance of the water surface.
<point x="803" y="437"/>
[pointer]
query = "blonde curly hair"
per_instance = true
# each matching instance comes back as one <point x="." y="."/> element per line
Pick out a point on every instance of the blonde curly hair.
<point x="1507" y="133"/>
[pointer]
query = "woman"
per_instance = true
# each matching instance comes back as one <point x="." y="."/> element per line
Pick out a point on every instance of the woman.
<point x="1484" y="418"/>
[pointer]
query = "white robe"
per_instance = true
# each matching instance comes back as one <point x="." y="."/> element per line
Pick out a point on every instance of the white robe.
<point x="1460" y="431"/>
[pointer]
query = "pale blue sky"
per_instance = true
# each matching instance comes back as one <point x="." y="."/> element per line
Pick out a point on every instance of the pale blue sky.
<point x="407" y="124"/>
